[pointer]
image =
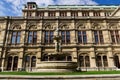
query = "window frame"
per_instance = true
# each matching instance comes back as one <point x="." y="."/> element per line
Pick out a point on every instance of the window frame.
<point x="16" y="36"/>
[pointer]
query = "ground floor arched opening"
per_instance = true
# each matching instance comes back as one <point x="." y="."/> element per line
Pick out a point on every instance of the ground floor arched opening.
<point x="12" y="63"/>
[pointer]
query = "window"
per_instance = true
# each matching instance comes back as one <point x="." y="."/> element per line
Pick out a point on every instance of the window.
<point x="84" y="61"/>
<point x="65" y="36"/>
<point x="30" y="61"/>
<point x="102" y="61"/>
<point x="116" y="61"/>
<point x="74" y="13"/>
<point x="115" y="36"/>
<point x="85" y="13"/>
<point x="30" y="6"/>
<point x="82" y="37"/>
<point x="51" y="13"/>
<point x="29" y="14"/>
<point x="33" y="61"/>
<point x="107" y="13"/>
<point x="63" y="13"/>
<point x="15" y="38"/>
<point x="41" y="14"/>
<point x="98" y="36"/>
<point x="48" y="37"/>
<point x="32" y="37"/>
<point x="96" y="13"/>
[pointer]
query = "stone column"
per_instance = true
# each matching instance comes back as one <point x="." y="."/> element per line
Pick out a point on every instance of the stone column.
<point x="38" y="57"/>
<point x="20" y="61"/>
<point x="92" y="59"/>
<point x="90" y="36"/>
<point x="110" y="58"/>
<point x="40" y="35"/>
<point x="12" y="63"/>
<point x="3" y="61"/>
<point x="73" y="38"/>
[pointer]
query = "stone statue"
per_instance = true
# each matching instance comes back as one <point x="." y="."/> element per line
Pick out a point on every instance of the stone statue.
<point x="57" y="39"/>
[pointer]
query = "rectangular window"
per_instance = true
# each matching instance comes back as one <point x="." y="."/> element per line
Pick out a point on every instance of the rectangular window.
<point x="51" y="13"/>
<point x="65" y="37"/>
<point x="82" y="37"/>
<point x="48" y="37"/>
<point x="74" y="14"/>
<point x="85" y="13"/>
<point x="29" y="14"/>
<point x="115" y="36"/>
<point x="63" y="13"/>
<point x="96" y="13"/>
<point x="41" y="14"/>
<point x="15" y="39"/>
<point x="107" y="13"/>
<point x="98" y="36"/>
<point x="32" y="37"/>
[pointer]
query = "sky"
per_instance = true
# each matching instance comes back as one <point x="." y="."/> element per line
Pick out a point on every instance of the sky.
<point x="14" y="7"/>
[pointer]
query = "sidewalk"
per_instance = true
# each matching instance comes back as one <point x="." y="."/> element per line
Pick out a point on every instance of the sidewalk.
<point x="62" y="77"/>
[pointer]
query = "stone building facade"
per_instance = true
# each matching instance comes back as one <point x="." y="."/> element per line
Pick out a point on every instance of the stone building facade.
<point x="90" y="35"/>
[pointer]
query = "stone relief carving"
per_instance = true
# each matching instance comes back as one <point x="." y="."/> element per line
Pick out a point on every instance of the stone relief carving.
<point x="80" y="26"/>
<point x="47" y="26"/>
<point x="112" y="25"/>
<point x="97" y="26"/>
<point x="63" y="26"/>
<point x="31" y="26"/>
<point x="15" y="27"/>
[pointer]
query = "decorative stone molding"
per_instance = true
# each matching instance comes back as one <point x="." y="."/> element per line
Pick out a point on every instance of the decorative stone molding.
<point x="112" y="25"/>
<point x="83" y="54"/>
<point x="96" y="26"/>
<point x="31" y="26"/>
<point x="63" y="26"/>
<point x="15" y="26"/>
<point x="47" y="26"/>
<point x="80" y="26"/>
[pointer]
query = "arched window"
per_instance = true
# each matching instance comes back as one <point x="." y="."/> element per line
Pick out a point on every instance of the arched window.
<point x="69" y="58"/>
<point x="27" y="61"/>
<point x="87" y="61"/>
<point x="84" y="61"/>
<point x="116" y="61"/>
<point x="99" y="61"/>
<point x="33" y="61"/>
<point x="102" y="61"/>
<point x="30" y="61"/>
<point x="105" y="63"/>
<point x="15" y="63"/>
<point x="12" y="63"/>
<point x="9" y="63"/>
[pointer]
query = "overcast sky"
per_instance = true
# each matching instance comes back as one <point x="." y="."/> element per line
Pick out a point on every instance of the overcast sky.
<point x="14" y="7"/>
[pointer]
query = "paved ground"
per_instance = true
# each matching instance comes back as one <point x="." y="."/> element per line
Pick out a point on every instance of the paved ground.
<point x="61" y="77"/>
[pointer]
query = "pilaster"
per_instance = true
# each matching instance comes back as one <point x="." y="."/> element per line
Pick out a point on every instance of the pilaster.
<point x="110" y="58"/>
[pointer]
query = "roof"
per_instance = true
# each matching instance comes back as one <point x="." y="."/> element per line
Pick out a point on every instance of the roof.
<point x="80" y="6"/>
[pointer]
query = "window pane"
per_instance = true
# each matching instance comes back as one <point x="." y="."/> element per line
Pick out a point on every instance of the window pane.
<point x="68" y="36"/>
<point x="96" y="39"/>
<point x="81" y="61"/>
<point x="13" y="39"/>
<point x="18" y="39"/>
<point x="87" y="61"/>
<point x="14" y="33"/>
<point x="84" y="39"/>
<point x="30" y="39"/>
<point x="105" y="61"/>
<point x="99" y="62"/>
